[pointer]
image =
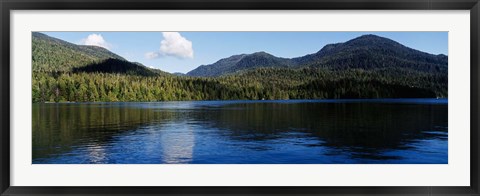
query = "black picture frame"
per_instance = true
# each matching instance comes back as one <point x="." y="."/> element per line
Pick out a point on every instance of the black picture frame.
<point x="9" y="5"/>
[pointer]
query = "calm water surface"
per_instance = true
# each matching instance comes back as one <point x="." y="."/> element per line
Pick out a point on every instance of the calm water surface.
<point x="206" y="132"/>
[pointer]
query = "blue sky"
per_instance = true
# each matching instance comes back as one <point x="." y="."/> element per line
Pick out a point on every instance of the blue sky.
<point x="184" y="51"/>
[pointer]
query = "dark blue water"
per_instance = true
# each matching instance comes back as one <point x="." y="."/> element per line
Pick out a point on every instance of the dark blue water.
<point x="380" y="131"/>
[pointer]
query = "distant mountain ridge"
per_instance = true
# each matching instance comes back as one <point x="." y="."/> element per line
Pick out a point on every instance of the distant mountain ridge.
<point x="240" y="62"/>
<point x="364" y="52"/>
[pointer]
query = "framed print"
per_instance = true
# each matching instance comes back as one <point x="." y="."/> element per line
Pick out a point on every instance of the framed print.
<point x="240" y="97"/>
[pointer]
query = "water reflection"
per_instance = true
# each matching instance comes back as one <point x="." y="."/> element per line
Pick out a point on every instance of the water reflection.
<point x="242" y="132"/>
<point x="178" y="144"/>
<point x="96" y="154"/>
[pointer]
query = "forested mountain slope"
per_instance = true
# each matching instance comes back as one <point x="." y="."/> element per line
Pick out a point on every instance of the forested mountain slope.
<point x="51" y="54"/>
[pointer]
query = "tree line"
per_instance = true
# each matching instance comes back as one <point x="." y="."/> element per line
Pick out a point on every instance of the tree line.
<point x="258" y="84"/>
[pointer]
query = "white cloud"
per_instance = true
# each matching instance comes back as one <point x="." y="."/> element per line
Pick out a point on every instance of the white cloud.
<point x="95" y="40"/>
<point x="173" y="44"/>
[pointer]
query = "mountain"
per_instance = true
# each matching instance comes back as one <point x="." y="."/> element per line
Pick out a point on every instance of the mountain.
<point x="55" y="55"/>
<point x="372" y="52"/>
<point x="52" y="54"/>
<point x="240" y="62"/>
<point x="365" y="52"/>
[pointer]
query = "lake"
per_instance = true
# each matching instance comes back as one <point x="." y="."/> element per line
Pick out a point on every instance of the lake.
<point x="369" y="131"/>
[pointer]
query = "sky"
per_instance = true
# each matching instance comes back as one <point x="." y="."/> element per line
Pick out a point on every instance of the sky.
<point x="185" y="51"/>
